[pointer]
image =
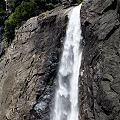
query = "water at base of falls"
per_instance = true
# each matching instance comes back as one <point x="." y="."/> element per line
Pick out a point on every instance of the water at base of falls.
<point x="66" y="97"/>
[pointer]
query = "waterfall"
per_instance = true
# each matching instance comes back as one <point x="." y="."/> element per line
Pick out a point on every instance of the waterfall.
<point x="6" y="5"/>
<point x="66" y="97"/>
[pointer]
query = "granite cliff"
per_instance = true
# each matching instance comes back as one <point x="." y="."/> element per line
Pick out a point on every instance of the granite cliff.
<point x="29" y="65"/>
<point x="100" y="84"/>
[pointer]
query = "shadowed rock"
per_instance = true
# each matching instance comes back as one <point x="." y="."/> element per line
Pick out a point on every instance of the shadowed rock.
<point x="100" y="83"/>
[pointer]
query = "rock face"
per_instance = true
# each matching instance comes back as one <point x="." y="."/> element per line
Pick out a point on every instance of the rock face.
<point x="118" y="7"/>
<point x="100" y="82"/>
<point x="28" y="68"/>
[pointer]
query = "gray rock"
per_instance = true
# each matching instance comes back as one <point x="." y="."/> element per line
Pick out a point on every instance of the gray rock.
<point x="118" y="6"/>
<point x="100" y="83"/>
<point x="29" y="66"/>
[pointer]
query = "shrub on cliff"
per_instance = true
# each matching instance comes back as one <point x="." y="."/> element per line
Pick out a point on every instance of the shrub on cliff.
<point x="50" y="6"/>
<point x="2" y="12"/>
<point x="9" y="28"/>
<point x="16" y="3"/>
<point x="22" y="13"/>
<point x="42" y="4"/>
<point x="79" y="1"/>
<point x="2" y="17"/>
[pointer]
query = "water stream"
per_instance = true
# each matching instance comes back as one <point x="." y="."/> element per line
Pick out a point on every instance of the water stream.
<point x="66" y="97"/>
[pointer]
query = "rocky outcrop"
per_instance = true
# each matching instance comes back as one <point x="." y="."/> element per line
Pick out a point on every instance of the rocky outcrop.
<point x="28" y="68"/>
<point x="100" y="82"/>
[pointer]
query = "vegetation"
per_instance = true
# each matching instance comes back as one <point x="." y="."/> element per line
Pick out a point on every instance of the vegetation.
<point x="2" y="12"/>
<point x="22" y="13"/>
<point x="42" y="4"/>
<point x="79" y="1"/>
<point x="16" y="3"/>
<point x="2" y="17"/>
<point x="2" y="8"/>
<point x="23" y="10"/>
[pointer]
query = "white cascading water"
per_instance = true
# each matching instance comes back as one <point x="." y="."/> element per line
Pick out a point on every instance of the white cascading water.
<point x="66" y="97"/>
<point x="6" y="4"/>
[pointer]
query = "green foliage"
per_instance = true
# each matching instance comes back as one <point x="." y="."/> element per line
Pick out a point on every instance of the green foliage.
<point x="2" y="12"/>
<point x="22" y="13"/>
<point x="79" y="1"/>
<point x="23" y="10"/>
<point x="42" y="4"/>
<point x="24" y="116"/>
<point x="46" y="4"/>
<point x="9" y="28"/>
<point x="59" y="4"/>
<point x="16" y="3"/>
<point x="49" y="6"/>
<point x="2" y="16"/>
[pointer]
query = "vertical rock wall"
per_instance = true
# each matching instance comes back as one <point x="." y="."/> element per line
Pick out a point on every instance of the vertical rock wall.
<point x="100" y="82"/>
